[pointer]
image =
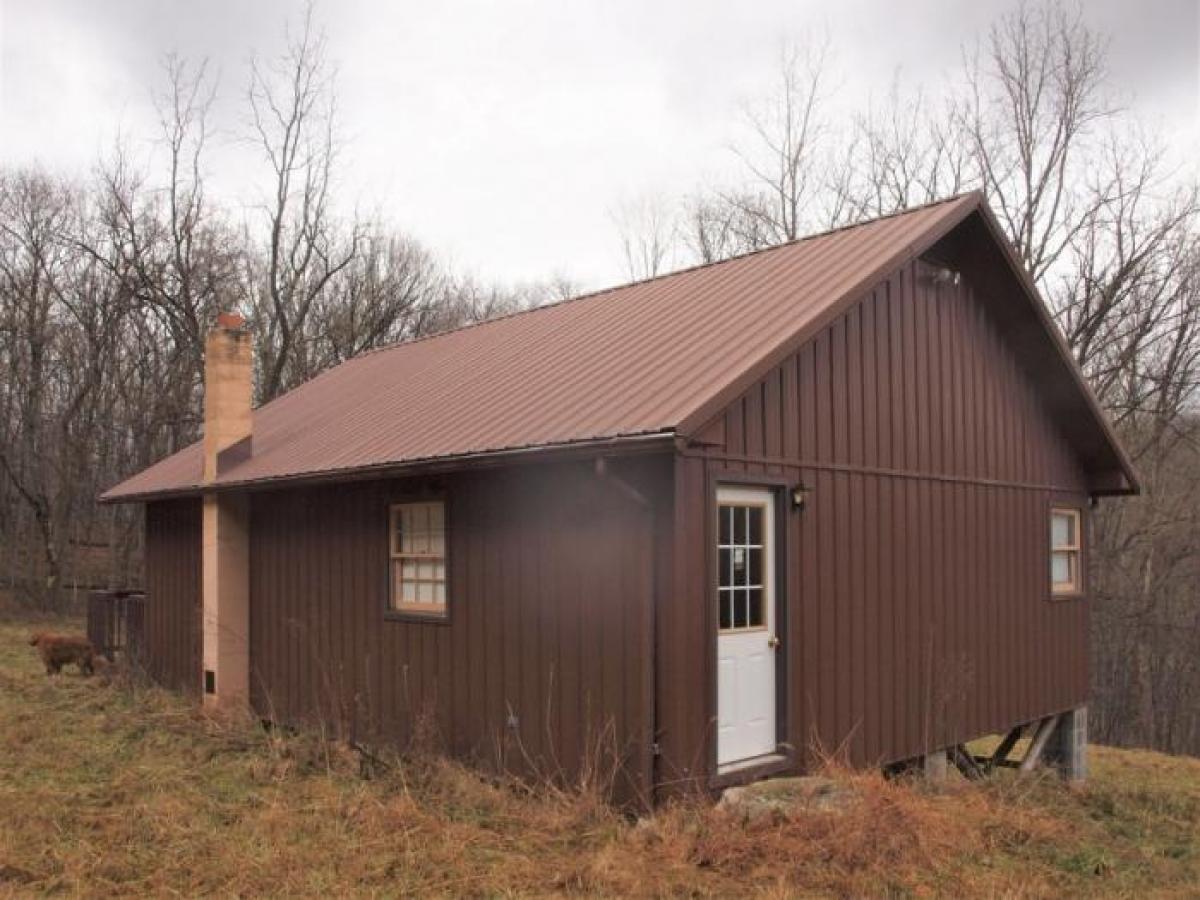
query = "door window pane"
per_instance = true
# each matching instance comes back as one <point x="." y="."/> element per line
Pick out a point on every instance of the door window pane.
<point x="755" y="618"/>
<point x="754" y="516"/>
<point x="740" y="566"/>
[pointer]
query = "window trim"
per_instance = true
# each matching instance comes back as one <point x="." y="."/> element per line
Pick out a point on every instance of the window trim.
<point x="1074" y="588"/>
<point x="763" y="575"/>
<point x="426" y="613"/>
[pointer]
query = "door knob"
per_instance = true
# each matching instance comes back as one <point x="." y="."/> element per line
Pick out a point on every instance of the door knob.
<point x="773" y="642"/>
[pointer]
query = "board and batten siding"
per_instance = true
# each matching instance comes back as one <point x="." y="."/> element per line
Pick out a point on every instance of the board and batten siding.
<point x="173" y="616"/>
<point x="918" y="607"/>
<point x="545" y="656"/>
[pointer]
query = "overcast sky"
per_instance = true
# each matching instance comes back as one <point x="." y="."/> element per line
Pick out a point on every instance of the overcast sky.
<point x="503" y="134"/>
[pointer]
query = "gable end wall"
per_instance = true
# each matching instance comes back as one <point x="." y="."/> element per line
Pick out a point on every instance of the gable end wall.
<point x="917" y="575"/>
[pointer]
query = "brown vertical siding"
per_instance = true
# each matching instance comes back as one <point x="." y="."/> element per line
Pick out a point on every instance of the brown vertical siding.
<point x="173" y="599"/>
<point x="552" y="578"/>
<point x="917" y="581"/>
<point x="917" y="605"/>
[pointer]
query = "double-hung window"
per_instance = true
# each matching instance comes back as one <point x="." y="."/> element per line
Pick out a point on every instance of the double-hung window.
<point x="1066" y="545"/>
<point x="417" y="542"/>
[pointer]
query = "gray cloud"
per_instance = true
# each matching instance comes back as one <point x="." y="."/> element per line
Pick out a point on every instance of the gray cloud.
<point x="503" y="134"/>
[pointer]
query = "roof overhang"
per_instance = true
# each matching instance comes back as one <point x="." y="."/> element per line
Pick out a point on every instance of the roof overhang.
<point x="1111" y="472"/>
<point x="620" y="445"/>
<point x="328" y="429"/>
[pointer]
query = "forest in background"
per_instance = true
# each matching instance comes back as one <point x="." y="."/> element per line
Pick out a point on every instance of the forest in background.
<point x="108" y="284"/>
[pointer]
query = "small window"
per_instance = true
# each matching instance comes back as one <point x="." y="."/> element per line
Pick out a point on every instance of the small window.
<point x="740" y="567"/>
<point x="418" y="559"/>
<point x="1065" y="545"/>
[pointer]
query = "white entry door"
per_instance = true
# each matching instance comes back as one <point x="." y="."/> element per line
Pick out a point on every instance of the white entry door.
<point x="746" y="640"/>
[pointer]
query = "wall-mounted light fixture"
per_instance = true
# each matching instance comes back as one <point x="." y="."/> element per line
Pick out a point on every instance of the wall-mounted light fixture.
<point x="799" y="496"/>
<point x="944" y="275"/>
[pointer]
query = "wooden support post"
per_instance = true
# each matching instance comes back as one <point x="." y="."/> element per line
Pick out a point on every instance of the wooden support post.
<point x="933" y="765"/>
<point x="1033" y="756"/>
<point x="1001" y="755"/>
<point x="966" y="763"/>
<point x="1067" y="749"/>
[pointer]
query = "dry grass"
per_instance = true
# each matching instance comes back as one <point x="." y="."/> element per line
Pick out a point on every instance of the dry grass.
<point x="119" y="789"/>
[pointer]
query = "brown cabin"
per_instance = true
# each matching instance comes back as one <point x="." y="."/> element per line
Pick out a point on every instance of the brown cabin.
<point x="827" y="498"/>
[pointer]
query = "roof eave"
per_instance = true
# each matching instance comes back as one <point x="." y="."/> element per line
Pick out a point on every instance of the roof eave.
<point x="1113" y="484"/>
<point x="1132" y="483"/>
<point x="642" y="442"/>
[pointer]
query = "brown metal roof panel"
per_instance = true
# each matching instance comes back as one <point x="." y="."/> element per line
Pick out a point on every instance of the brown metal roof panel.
<point x="623" y="361"/>
<point x="644" y="358"/>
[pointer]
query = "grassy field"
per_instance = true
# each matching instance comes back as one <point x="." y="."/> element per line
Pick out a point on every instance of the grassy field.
<point x="108" y="788"/>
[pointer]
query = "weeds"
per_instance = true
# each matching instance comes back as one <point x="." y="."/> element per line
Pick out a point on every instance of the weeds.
<point x="111" y="786"/>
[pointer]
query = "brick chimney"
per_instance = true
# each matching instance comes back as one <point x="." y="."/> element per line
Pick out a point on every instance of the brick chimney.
<point x="228" y="370"/>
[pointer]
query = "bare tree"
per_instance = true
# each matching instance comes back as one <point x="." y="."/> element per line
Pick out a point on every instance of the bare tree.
<point x="715" y="229"/>
<point x="391" y="291"/>
<point x="1124" y="295"/>
<point x="165" y="243"/>
<point x="782" y="155"/>
<point x="1036" y="92"/>
<point x="1130" y="308"/>
<point x="32" y="215"/>
<point x="107" y="288"/>
<point x="293" y="107"/>
<point x="466" y="299"/>
<point x="647" y="229"/>
<point x="62" y="319"/>
<point x="902" y="154"/>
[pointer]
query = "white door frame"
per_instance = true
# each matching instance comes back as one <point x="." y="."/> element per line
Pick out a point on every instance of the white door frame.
<point x="746" y="617"/>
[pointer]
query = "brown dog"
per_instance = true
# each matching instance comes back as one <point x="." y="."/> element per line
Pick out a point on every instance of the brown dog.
<point x="58" y="650"/>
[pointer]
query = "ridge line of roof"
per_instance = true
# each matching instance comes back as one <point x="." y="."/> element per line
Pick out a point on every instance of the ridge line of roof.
<point x="588" y="295"/>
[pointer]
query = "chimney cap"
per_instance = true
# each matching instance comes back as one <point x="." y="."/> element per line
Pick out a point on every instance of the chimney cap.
<point x="230" y="320"/>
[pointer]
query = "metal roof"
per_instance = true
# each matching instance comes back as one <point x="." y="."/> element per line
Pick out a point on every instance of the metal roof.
<point x="656" y="357"/>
